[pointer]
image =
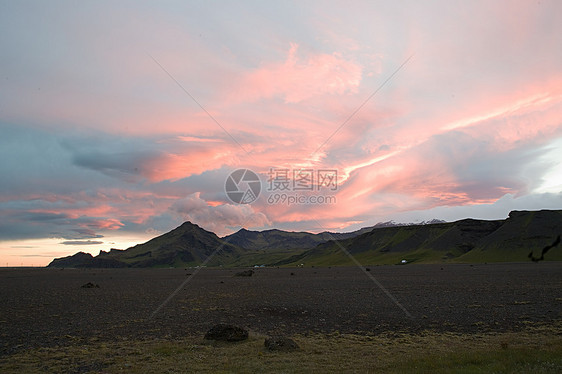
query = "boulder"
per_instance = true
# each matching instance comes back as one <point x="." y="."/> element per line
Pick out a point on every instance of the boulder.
<point x="280" y="343"/>
<point x="226" y="332"/>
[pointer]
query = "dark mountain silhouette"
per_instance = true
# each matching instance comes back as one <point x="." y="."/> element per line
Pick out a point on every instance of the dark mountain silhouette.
<point x="467" y="240"/>
<point x="278" y="239"/>
<point x="86" y="260"/>
<point x="187" y="244"/>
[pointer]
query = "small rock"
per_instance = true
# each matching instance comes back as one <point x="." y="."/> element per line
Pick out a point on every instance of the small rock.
<point x="226" y="332"/>
<point x="90" y="285"/>
<point x="280" y="343"/>
<point x="245" y="273"/>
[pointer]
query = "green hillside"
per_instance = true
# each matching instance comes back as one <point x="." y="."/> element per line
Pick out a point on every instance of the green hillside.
<point x="467" y="240"/>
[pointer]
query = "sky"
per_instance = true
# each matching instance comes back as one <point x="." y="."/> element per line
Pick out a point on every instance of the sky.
<point x="121" y="120"/>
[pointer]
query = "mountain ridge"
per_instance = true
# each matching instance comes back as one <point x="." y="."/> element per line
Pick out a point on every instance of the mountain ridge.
<point x="275" y="239"/>
<point x="467" y="240"/>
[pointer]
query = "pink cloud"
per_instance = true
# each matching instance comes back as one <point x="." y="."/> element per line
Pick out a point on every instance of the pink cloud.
<point x="217" y="217"/>
<point x="384" y="166"/>
<point x="102" y="224"/>
<point x="174" y="166"/>
<point x="297" y="79"/>
<point x="473" y="160"/>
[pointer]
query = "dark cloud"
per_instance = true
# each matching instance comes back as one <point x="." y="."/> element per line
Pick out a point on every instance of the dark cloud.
<point x="130" y="159"/>
<point x="37" y="255"/>
<point x="86" y="234"/>
<point x="42" y="216"/>
<point x="126" y="165"/>
<point x="36" y="166"/>
<point x="81" y="242"/>
<point x="13" y="229"/>
<point x="21" y="224"/>
<point x="48" y="175"/>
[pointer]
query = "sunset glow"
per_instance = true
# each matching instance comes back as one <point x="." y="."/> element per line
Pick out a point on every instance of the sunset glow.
<point x="121" y="122"/>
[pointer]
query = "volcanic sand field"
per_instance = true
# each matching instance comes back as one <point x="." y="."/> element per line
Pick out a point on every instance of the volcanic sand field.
<point x="50" y="308"/>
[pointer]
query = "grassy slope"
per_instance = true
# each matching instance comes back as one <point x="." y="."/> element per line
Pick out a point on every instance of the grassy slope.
<point x="337" y="257"/>
<point x="431" y="243"/>
<point x="468" y="241"/>
<point x="536" y="350"/>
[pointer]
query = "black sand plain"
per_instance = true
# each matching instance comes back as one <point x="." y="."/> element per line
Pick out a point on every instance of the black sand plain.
<point x="49" y="307"/>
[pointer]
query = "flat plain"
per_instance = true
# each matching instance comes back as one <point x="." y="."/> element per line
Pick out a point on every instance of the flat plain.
<point x="49" y="309"/>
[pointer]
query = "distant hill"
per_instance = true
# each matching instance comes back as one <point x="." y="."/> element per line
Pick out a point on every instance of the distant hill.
<point x="86" y="260"/>
<point x="277" y="239"/>
<point x="466" y="240"/>
<point x="272" y="240"/>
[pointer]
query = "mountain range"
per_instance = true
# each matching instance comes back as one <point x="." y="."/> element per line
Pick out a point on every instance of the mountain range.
<point x="467" y="240"/>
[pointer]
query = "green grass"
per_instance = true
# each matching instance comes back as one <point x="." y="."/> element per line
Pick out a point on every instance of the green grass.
<point x="426" y="256"/>
<point x="535" y="350"/>
<point x="508" y="360"/>
<point x="401" y="235"/>
<point x="336" y="257"/>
